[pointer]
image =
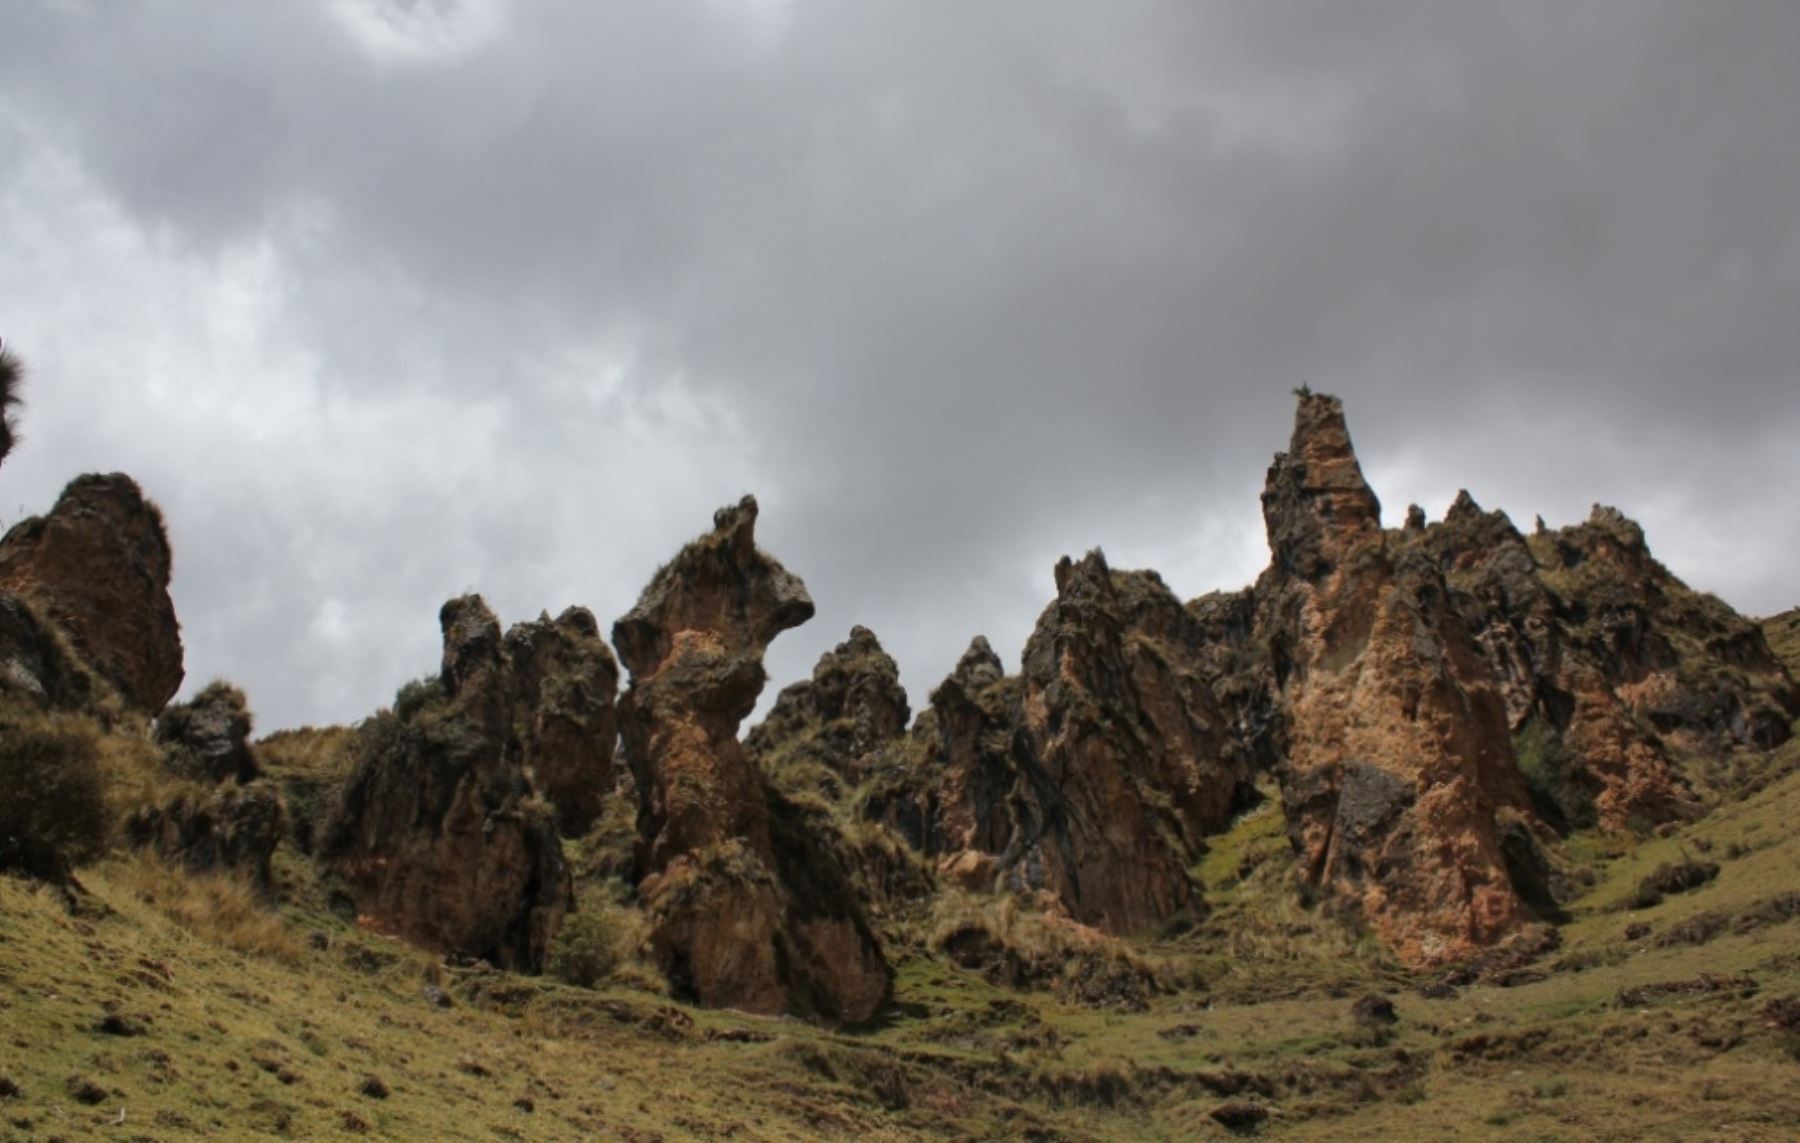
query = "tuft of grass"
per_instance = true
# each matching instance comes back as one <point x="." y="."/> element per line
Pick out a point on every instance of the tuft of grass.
<point x="594" y="942"/>
<point x="1018" y="947"/>
<point x="54" y="813"/>
<point x="214" y="907"/>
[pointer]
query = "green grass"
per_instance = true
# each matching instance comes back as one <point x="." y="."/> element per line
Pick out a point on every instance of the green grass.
<point x="260" y="1023"/>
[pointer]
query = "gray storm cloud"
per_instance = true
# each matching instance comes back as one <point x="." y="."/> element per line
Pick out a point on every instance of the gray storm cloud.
<point x="387" y="301"/>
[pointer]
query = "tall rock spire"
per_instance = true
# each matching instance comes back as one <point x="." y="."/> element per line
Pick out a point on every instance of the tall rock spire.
<point x="744" y="911"/>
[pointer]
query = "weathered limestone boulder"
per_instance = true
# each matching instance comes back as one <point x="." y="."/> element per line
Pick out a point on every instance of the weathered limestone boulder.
<point x="208" y="737"/>
<point x="97" y="568"/>
<point x="1398" y="753"/>
<point x="437" y="833"/>
<point x="744" y="913"/>
<point x="562" y="680"/>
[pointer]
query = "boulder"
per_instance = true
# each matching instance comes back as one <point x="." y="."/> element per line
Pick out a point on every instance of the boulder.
<point x="208" y="737"/>
<point x="231" y="828"/>
<point x="97" y="568"/>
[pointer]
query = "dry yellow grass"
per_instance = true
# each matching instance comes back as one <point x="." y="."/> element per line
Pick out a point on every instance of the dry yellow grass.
<point x="219" y="908"/>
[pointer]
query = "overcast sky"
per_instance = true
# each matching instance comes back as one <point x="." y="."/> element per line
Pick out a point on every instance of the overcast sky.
<point x="388" y="300"/>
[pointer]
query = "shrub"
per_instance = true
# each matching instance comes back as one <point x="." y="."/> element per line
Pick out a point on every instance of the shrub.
<point x="12" y="376"/>
<point x="1557" y="792"/>
<point x="585" y="950"/>
<point x="1027" y="950"/>
<point x="413" y="698"/>
<point x="53" y="815"/>
<point x="1671" y="878"/>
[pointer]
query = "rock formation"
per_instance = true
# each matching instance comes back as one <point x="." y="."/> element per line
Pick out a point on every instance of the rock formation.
<point x="97" y="567"/>
<point x="841" y="718"/>
<point x="1128" y="735"/>
<point x="1398" y="759"/>
<point x="36" y="663"/>
<point x="1699" y="673"/>
<point x="208" y="737"/>
<point x="1612" y="670"/>
<point x="229" y="821"/>
<point x="744" y="911"/>
<point x="231" y="828"/>
<point x="1091" y="780"/>
<point x="956" y="786"/>
<point x="562" y="680"/>
<point x="437" y="833"/>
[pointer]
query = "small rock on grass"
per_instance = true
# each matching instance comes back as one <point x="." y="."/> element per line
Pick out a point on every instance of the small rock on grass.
<point x="1374" y="1009"/>
<point x="1240" y="1115"/>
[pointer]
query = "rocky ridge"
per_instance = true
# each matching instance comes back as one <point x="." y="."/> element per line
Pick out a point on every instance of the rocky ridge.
<point x="1434" y="706"/>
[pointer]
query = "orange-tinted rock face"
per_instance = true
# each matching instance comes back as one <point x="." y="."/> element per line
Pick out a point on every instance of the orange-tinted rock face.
<point x="1590" y="760"/>
<point x="437" y="833"/>
<point x="731" y="925"/>
<point x="1608" y="664"/>
<point x="1398" y="752"/>
<point x="98" y="568"/>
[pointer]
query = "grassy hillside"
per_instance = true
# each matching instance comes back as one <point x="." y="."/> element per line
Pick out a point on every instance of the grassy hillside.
<point x="169" y="1007"/>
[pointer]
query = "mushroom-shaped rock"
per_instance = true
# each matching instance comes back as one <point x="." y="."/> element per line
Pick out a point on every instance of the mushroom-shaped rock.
<point x="743" y="912"/>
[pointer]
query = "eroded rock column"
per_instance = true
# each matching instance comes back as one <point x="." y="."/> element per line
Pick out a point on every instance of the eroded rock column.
<point x="740" y="915"/>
